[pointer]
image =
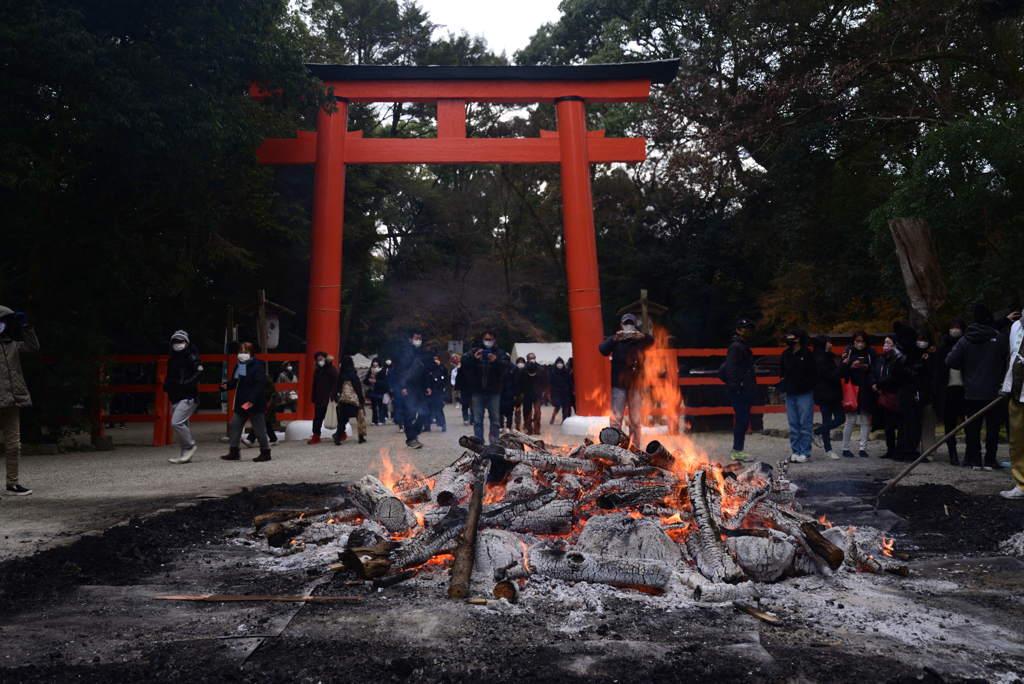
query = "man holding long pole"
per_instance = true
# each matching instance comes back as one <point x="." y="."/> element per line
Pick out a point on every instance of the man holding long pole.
<point x="1013" y="389"/>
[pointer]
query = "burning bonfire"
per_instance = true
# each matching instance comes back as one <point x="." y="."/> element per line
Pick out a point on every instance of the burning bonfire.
<point x="597" y="512"/>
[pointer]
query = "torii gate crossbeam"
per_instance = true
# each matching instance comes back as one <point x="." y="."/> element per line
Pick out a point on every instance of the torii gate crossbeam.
<point x="572" y="147"/>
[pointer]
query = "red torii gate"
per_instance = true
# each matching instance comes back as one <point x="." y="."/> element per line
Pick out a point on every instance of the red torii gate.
<point x="572" y="147"/>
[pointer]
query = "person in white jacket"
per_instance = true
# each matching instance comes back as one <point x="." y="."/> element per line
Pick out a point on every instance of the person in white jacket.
<point x="1013" y="390"/>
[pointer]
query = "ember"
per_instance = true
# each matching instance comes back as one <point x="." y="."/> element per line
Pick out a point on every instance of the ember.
<point x="602" y="513"/>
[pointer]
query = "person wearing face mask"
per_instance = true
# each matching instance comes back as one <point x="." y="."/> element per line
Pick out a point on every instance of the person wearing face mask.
<point x="287" y="399"/>
<point x="740" y="385"/>
<point x="531" y="386"/>
<point x="543" y="373"/>
<point x="460" y="381"/>
<point x="828" y="395"/>
<point x="948" y="387"/>
<point x="184" y="370"/>
<point x="508" y="396"/>
<point x="413" y="383"/>
<point x="885" y="384"/>
<point x="325" y="378"/>
<point x="560" y="384"/>
<point x="858" y="360"/>
<point x="926" y="374"/>
<point x="517" y="399"/>
<point x="486" y="366"/>
<point x="1013" y="390"/>
<point x="981" y="356"/>
<point x="798" y="373"/>
<point x="626" y="348"/>
<point x="249" y="380"/>
<point x="909" y="372"/>
<point x="17" y="338"/>
<point x="376" y="383"/>
<point x="438" y="384"/>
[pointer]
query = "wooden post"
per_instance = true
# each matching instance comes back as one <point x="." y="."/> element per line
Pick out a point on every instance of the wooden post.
<point x="643" y="312"/>
<point x="160" y="405"/>
<point x="261" y="320"/>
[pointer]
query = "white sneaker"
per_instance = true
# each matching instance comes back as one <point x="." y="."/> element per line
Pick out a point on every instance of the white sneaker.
<point x="798" y="458"/>
<point x="818" y="441"/>
<point x="186" y="455"/>
<point x="833" y="455"/>
<point x="1012" y="494"/>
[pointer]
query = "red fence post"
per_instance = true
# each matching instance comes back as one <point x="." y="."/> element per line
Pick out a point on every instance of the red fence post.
<point x="161" y="406"/>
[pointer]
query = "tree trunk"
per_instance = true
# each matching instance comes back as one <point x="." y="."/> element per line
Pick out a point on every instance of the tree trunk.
<point x="922" y="272"/>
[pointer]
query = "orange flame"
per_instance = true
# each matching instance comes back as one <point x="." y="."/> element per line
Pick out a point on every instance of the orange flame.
<point x="886" y="545"/>
<point x="825" y="522"/>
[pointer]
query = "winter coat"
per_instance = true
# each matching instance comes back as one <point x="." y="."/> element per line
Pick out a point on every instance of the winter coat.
<point x="739" y="367"/>
<point x="438" y="378"/>
<point x="13" y="389"/>
<point x="560" y="384"/>
<point x="184" y="369"/>
<point x="981" y="356"/>
<point x="508" y="387"/>
<point x="798" y="370"/>
<point x="828" y="389"/>
<point x="282" y="378"/>
<point x="1015" y="366"/>
<point x="251" y="386"/>
<point x="862" y="378"/>
<point x="485" y="376"/>
<point x="379" y="387"/>
<point x="940" y="374"/>
<point x="530" y="387"/>
<point x="346" y="411"/>
<point x="411" y="370"/>
<point x="324" y="379"/>
<point x="627" y="358"/>
<point x="462" y="377"/>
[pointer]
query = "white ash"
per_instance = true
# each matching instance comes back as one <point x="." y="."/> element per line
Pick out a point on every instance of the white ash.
<point x="1014" y="546"/>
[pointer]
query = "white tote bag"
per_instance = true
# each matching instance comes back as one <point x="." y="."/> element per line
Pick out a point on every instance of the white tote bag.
<point x="331" y="419"/>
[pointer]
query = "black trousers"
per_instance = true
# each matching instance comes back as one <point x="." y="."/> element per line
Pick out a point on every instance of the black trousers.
<point x="376" y="409"/>
<point x="318" y="419"/>
<point x="953" y="414"/>
<point x="909" y="427"/>
<point x="890" y="421"/>
<point x="508" y="411"/>
<point x="993" y="420"/>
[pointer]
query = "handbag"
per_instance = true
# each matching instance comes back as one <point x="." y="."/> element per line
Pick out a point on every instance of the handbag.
<point x="889" y="402"/>
<point x="348" y="394"/>
<point x="331" y="419"/>
<point x="850" y="392"/>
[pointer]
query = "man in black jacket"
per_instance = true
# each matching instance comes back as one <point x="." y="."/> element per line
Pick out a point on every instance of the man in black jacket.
<point x="412" y="382"/>
<point x="798" y="373"/>
<point x="184" y="369"/>
<point x="740" y="385"/>
<point x="486" y="366"/>
<point x="981" y="356"/>
<point x="626" y="348"/>
<point x="438" y="392"/>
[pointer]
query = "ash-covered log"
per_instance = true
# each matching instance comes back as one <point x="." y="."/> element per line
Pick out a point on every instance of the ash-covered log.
<point x="436" y="539"/>
<point x="556" y="517"/>
<point x="640" y="471"/>
<point x="612" y="455"/>
<point x="503" y="515"/>
<point x="706" y="547"/>
<point x="577" y="566"/>
<point x="378" y="503"/>
<point x="619" y="534"/>
<point x="521" y="483"/>
<point x="744" y="510"/>
<point x="559" y="464"/>
<point x="764" y="559"/>
<point x="633" y="496"/>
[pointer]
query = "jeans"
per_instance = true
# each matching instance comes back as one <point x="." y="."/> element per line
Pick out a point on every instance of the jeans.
<point x="832" y="416"/>
<point x="635" y="399"/>
<point x="492" y="403"/>
<point x="438" y="400"/>
<point x="10" y="423"/>
<point x="467" y="414"/>
<point x="865" y="429"/>
<point x="741" y="402"/>
<point x="397" y="407"/>
<point x="993" y="421"/>
<point x="415" y="413"/>
<point x="181" y="411"/>
<point x="259" y="428"/>
<point x="800" y="412"/>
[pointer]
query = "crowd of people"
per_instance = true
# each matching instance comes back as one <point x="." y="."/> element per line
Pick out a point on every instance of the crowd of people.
<point x="904" y="391"/>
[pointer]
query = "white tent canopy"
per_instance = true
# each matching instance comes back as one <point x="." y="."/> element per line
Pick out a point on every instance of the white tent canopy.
<point x="546" y="352"/>
<point x="361" y="362"/>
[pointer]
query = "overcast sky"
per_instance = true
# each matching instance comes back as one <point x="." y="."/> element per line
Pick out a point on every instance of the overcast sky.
<point x="506" y="25"/>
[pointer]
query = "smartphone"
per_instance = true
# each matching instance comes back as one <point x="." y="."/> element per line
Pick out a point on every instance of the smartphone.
<point x="485" y="352"/>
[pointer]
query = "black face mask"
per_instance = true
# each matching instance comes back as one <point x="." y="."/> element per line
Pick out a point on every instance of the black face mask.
<point x="790" y="341"/>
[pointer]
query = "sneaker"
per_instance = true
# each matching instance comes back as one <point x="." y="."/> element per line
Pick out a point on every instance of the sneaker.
<point x="249" y="440"/>
<point x="994" y="466"/>
<point x="832" y="455"/>
<point x="1005" y="464"/>
<point x="847" y="453"/>
<point x="315" y="439"/>
<point x="465" y="423"/>
<point x="798" y="458"/>
<point x="185" y="456"/>
<point x="818" y="441"/>
<point x="18" y="490"/>
<point x="413" y="444"/>
<point x="1009" y="494"/>
<point x="863" y="454"/>
<point x="741" y="456"/>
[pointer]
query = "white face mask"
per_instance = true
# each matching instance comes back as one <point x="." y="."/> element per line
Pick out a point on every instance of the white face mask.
<point x="559" y="365"/>
<point x="629" y="328"/>
<point x="288" y="368"/>
<point x="388" y="362"/>
<point x="417" y="343"/>
<point x="488" y="343"/>
<point x="955" y="332"/>
<point x="521" y="365"/>
<point x="320" y="363"/>
<point x="243" y="357"/>
<point x="922" y="345"/>
<point x="177" y="346"/>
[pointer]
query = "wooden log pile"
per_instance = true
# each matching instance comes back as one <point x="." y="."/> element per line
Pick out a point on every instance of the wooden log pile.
<point x="605" y="513"/>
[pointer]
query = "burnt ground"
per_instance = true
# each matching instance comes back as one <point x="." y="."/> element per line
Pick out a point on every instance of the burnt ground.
<point x="84" y="612"/>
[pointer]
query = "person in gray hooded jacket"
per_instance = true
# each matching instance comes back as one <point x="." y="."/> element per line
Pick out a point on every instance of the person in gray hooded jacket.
<point x="17" y="337"/>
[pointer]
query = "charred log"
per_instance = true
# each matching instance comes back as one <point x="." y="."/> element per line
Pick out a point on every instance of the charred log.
<point x="658" y="456"/>
<point x="828" y="551"/>
<point x="437" y="538"/>
<point x="736" y="520"/>
<point x="559" y="464"/>
<point x="279" y="535"/>
<point x="368" y="562"/>
<point x="378" y="503"/>
<point x="576" y="566"/>
<point x="614" y="437"/>
<point x="621" y="535"/>
<point x="391" y="580"/>
<point x="462" y="568"/>
<point x="521" y="483"/>
<point x="764" y="559"/>
<point x="507" y="589"/>
<point x="556" y="517"/>
<point x="706" y="546"/>
<point x="503" y="515"/>
<point x="634" y="496"/>
<point x="640" y="471"/>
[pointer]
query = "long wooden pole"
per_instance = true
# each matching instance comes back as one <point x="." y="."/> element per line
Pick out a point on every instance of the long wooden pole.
<point x="929" y="452"/>
<point x="465" y="552"/>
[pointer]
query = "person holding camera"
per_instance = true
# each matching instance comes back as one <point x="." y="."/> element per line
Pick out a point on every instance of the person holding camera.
<point x="17" y="337"/>
<point x="626" y="348"/>
<point x="487" y="365"/>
